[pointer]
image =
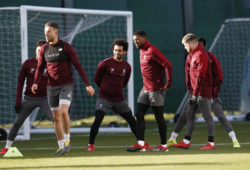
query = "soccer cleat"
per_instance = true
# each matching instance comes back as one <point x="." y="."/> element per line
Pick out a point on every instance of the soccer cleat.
<point x="4" y="150"/>
<point x="59" y="152"/>
<point x="147" y="146"/>
<point x="181" y="145"/>
<point x="207" y="147"/>
<point x="160" y="148"/>
<point x="91" y="147"/>
<point x="236" y="144"/>
<point x="137" y="148"/>
<point x="67" y="146"/>
<point x="170" y="142"/>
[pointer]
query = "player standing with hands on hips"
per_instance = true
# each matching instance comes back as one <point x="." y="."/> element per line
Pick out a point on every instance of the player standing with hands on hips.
<point x="153" y="68"/>
<point x="58" y="55"/>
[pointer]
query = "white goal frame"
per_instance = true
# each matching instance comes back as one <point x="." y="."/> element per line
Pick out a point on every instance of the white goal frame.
<point x="24" y="50"/>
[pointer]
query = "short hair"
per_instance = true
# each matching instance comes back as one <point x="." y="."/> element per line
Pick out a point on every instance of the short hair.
<point x="120" y="42"/>
<point x="52" y="24"/>
<point x="203" y="40"/>
<point x="140" y="33"/>
<point x="40" y="43"/>
<point x="189" y="37"/>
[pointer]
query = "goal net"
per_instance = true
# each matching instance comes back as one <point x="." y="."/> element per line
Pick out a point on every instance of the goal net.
<point x="232" y="48"/>
<point x="90" y="32"/>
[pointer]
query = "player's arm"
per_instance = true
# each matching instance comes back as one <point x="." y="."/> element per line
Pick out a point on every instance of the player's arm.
<point x="218" y="79"/>
<point x="202" y="64"/>
<point x="100" y="71"/>
<point x="162" y="60"/>
<point x="127" y="76"/>
<point x="187" y="74"/>
<point x="19" y="90"/>
<point x="39" y="69"/>
<point x="76" y="62"/>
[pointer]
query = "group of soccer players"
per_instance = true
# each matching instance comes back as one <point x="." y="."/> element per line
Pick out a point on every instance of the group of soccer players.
<point x="49" y="86"/>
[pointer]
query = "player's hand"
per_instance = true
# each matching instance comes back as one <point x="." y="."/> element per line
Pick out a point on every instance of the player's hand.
<point x="18" y="108"/>
<point x="34" y="88"/>
<point x="193" y="100"/>
<point x="90" y="90"/>
<point x="164" y="89"/>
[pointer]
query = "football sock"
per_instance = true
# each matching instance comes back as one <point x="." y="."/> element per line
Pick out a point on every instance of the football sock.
<point x="174" y="135"/>
<point x="8" y="144"/>
<point x="232" y="136"/>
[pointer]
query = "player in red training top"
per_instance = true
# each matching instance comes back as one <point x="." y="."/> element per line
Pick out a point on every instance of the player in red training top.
<point x="58" y="56"/>
<point x="31" y="101"/>
<point x="216" y="105"/>
<point x="112" y="75"/>
<point x="153" y="68"/>
<point x="199" y="83"/>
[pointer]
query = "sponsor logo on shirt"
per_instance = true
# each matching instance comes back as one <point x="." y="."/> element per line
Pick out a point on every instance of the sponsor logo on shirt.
<point x="69" y="95"/>
<point x="112" y="70"/>
<point x="32" y="70"/>
<point x="60" y="49"/>
<point x="53" y="55"/>
<point x="123" y="72"/>
<point x="145" y="58"/>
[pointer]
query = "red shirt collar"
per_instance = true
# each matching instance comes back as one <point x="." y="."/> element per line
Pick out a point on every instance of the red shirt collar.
<point x="199" y="47"/>
<point x="146" y="45"/>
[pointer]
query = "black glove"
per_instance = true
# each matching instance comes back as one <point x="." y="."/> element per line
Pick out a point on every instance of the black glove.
<point x="18" y="108"/>
<point x="193" y="100"/>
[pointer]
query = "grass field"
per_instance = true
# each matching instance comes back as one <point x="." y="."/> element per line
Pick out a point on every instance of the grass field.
<point x="110" y="152"/>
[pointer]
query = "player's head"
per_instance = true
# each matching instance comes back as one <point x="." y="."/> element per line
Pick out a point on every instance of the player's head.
<point x="190" y="42"/>
<point x="203" y="42"/>
<point x="39" y="44"/>
<point x="51" y="32"/>
<point x="139" y="38"/>
<point x="120" y="47"/>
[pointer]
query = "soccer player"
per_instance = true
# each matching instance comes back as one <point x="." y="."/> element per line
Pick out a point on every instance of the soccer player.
<point x="112" y="75"/>
<point x="199" y="84"/>
<point x="31" y="101"/>
<point x="216" y="105"/>
<point x="153" y="68"/>
<point x="58" y="56"/>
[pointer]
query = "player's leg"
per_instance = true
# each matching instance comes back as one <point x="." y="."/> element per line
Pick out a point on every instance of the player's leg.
<point x="216" y="107"/>
<point x="181" y="122"/>
<point x="53" y="100"/>
<point x="156" y="100"/>
<point x="142" y="107"/>
<point x="26" y="109"/>
<point x="205" y="108"/>
<point x="102" y="106"/>
<point x="190" y="114"/>
<point x="44" y="105"/>
<point x="65" y="98"/>
<point x="125" y="112"/>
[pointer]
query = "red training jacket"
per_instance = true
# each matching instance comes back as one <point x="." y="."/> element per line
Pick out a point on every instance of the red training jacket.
<point x="198" y="73"/>
<point x="153" y="68"/>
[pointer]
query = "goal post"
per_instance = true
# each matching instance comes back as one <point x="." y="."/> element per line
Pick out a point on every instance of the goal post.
<point x="90" y="32"/>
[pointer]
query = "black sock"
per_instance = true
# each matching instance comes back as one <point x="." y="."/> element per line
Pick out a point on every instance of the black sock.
<point x="210" y="138"/>
<point x="187" y="138"/>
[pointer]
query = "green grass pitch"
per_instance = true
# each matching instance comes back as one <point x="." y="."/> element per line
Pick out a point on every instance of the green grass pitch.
<point x="111" y="151"/>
